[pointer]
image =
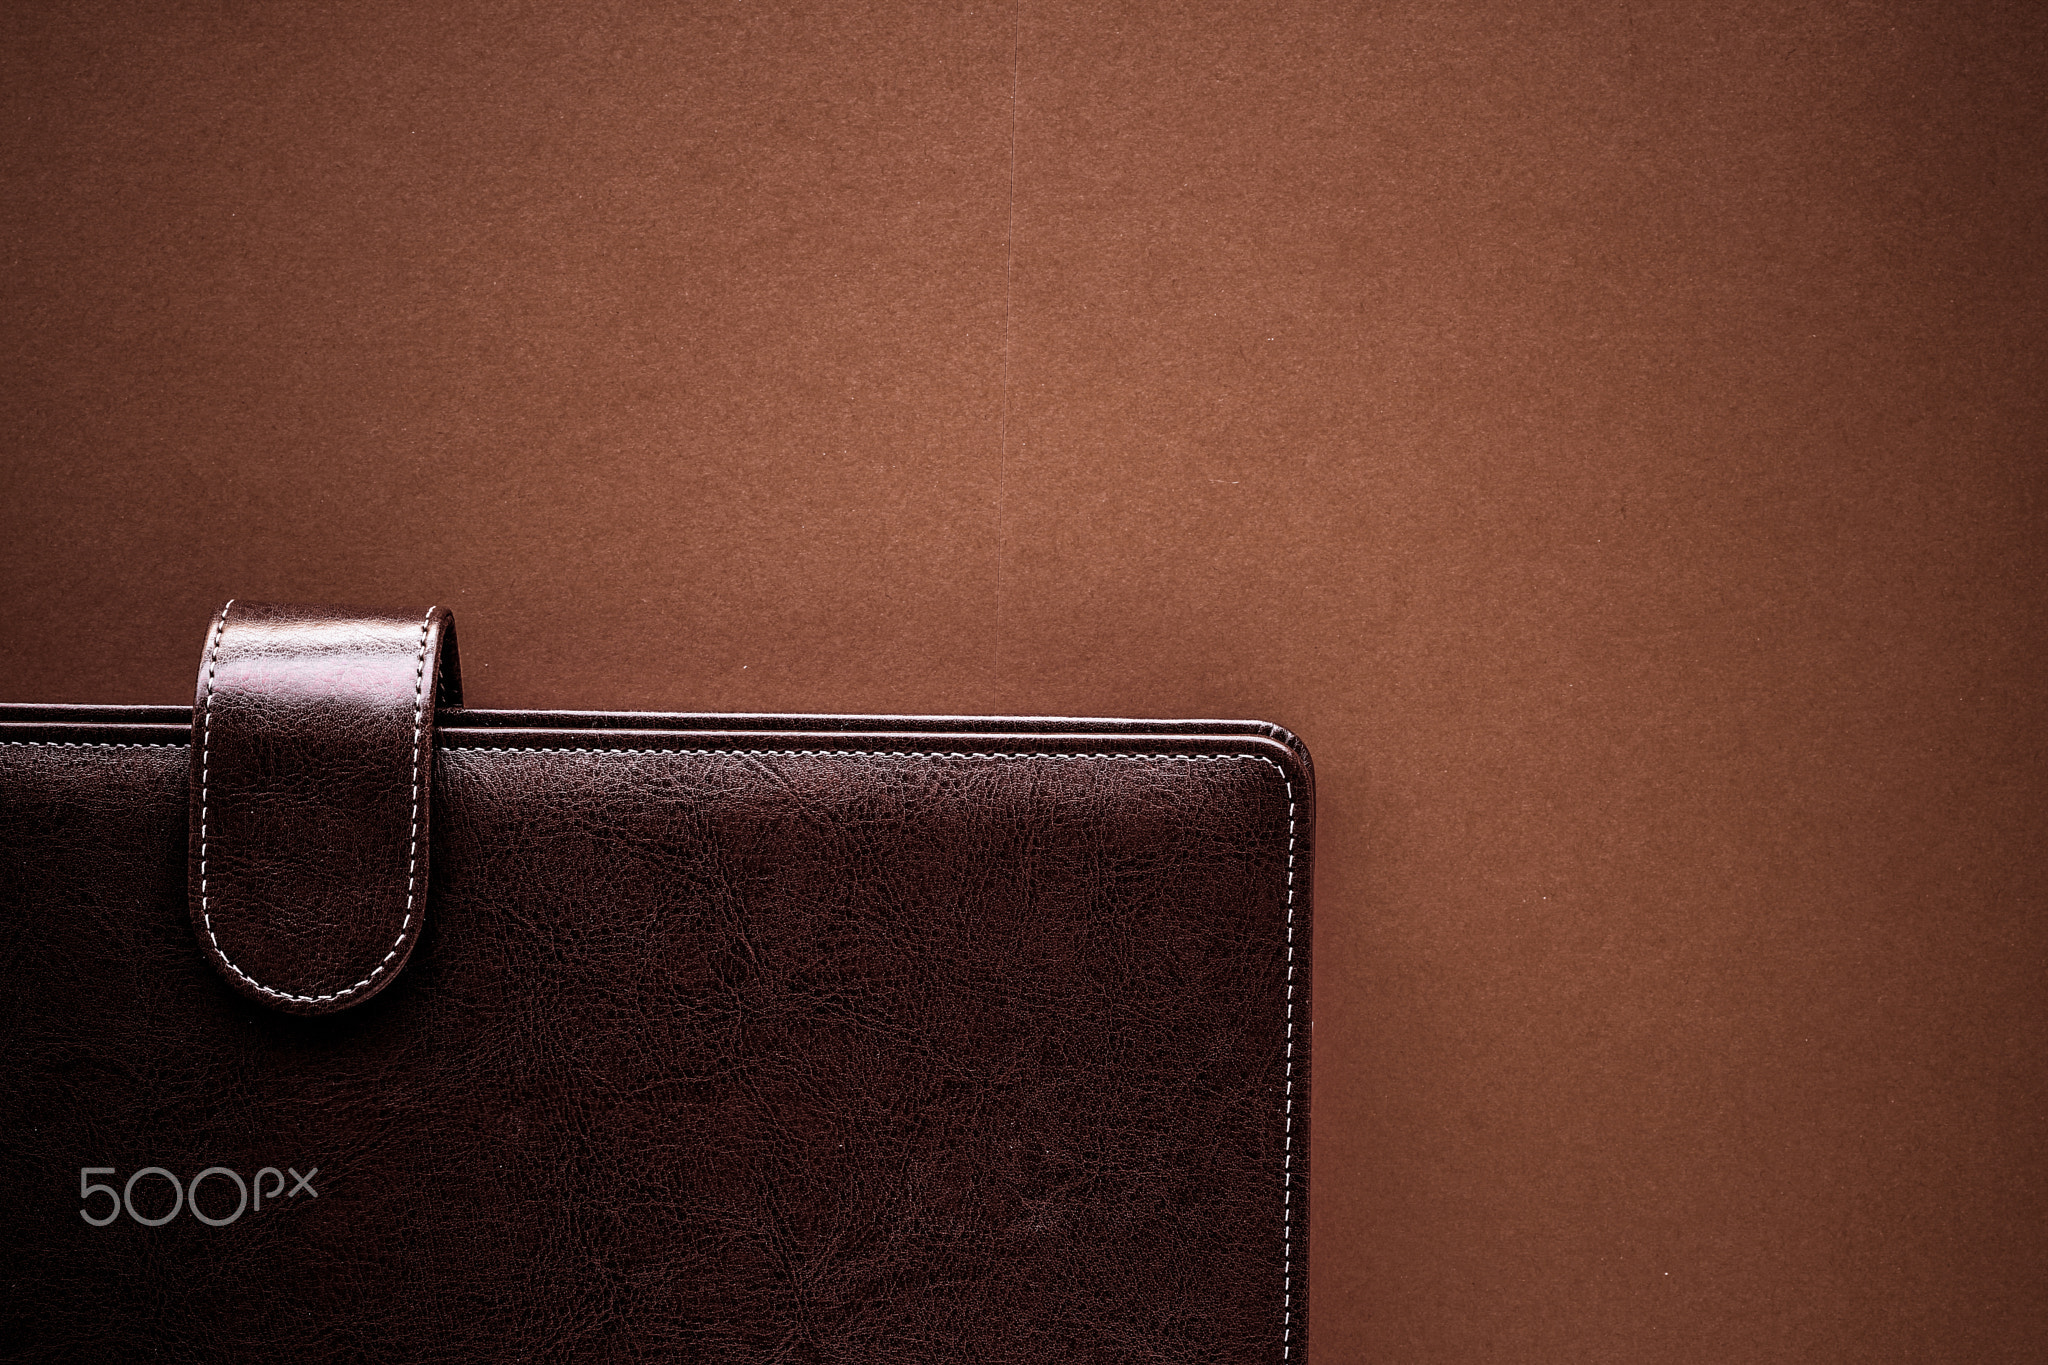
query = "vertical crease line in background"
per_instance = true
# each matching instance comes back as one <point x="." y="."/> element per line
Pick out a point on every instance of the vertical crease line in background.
<point x="1003" y="421"/>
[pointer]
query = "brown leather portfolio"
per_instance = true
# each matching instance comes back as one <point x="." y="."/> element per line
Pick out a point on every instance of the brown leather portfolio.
<point x="343" y="1023"/>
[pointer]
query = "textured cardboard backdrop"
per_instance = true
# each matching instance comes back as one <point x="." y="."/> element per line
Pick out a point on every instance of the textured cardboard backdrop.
<point x="1610" y="435"/>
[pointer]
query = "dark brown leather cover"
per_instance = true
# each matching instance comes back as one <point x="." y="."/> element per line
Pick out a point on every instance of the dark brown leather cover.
<point x="730" y="1039"/>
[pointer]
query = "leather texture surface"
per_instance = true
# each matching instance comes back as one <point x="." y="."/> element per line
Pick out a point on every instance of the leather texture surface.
<point x="790" y="1040"/>
<point x="311" y="782"/>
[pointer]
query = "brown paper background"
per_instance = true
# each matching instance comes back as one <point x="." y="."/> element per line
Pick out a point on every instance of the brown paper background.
<point x="1611" y="436"/>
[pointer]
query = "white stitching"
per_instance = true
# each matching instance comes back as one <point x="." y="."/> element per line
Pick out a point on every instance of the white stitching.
<point x="205" y="736"/>
<point x="412" y="856"/>
<point x="1287" y="1135"/>
<point x="1287" y="1145"/>
<point x="452" y="745"/>
<point x="77" y="744"/>
<point x="412" y="865"/>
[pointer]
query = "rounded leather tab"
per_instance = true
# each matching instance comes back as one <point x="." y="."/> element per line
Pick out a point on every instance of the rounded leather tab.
<point x="312" y="772"/>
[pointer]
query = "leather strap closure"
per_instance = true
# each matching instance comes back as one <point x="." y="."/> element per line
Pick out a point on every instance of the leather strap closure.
<point x="312" y="779"/>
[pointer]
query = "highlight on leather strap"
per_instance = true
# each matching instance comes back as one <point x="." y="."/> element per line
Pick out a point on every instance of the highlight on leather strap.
<point x="312" y="779"/>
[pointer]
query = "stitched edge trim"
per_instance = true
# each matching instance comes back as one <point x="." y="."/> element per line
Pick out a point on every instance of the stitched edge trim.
<point x="447" y="747"/>
<point x="412" y="854"/>
<point x="1287" y="1142"/>
<point x="78" y="744"/>
<point x="1287" y="1096"/>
